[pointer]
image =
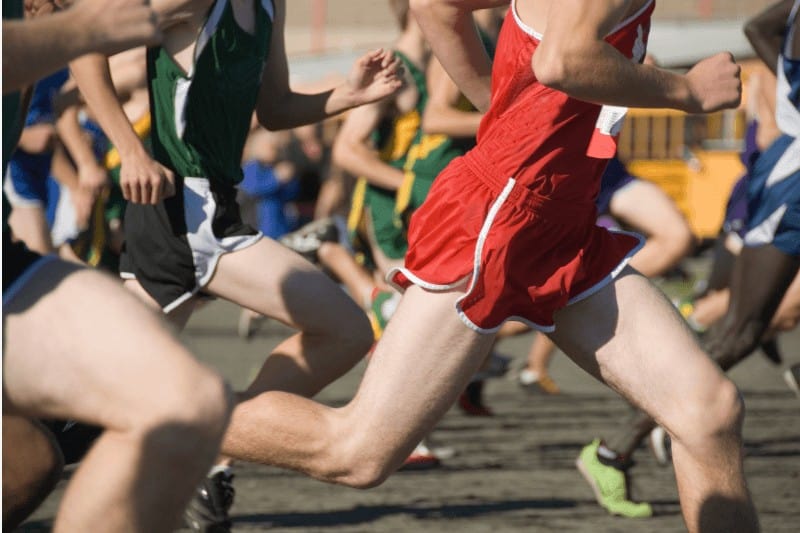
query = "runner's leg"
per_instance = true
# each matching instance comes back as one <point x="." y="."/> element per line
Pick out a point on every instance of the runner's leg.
<point x="657" y="365"/>
<point x="425" y="358"/>
<point x="107" y="360"/>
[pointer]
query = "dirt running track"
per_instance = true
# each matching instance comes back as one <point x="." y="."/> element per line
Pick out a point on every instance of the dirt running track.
<point x="513" y="472"/>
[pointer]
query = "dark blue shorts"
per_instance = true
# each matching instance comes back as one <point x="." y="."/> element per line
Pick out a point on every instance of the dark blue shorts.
<point x="615" y="178"/>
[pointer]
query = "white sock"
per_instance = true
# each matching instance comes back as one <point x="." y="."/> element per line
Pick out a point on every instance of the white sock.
<point x="526" y="377"/>
<point x="216" y="469"/>
<point x="604" y="451"/>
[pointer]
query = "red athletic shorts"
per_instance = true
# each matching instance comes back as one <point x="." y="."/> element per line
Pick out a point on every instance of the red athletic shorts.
<point x="523" y="256"/>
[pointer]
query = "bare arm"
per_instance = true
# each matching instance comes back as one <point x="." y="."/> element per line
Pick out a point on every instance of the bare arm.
<point x="34" y="48"/>
<point x="142" y="179"/>
<point x="352" y="150"/>
<point x="374" y="76"/>
<point x="92" y="176"/>
<point x="766" y="30"/>
<point x="451" y="32"/>
<point x="441" y="114"/>
<point x="574" y="58"/>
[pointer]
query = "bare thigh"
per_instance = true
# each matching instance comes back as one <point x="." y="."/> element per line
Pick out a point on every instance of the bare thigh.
<point x="644" y="206"/>
<point x="629" y="336"/>
<point x="30" y="226"/>
<point x="272" y="280"/>
<point x="79" y="346"/>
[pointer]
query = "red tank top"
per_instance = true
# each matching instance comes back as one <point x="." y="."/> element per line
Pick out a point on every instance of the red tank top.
<point x="539" y="136"/>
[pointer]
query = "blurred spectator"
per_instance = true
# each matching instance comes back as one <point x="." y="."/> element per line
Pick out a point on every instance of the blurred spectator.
<point x="270" y="183"/>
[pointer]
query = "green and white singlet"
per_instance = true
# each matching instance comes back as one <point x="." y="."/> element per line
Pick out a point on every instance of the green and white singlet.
<point x="200" y="122"/>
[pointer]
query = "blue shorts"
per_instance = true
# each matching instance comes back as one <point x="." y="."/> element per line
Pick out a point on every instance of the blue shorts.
<point x="26" y="179"/>
<point x="773" y="197"/>
<point x="615" y="178"/>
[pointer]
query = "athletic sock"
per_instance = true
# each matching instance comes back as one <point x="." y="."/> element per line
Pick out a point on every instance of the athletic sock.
<point x="609" y="457"/>
<point x="216" y="469"/>
<point x="526" y="377"/>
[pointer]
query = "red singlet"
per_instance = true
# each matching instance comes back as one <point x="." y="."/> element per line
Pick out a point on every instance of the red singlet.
<point x="515" y="217"/>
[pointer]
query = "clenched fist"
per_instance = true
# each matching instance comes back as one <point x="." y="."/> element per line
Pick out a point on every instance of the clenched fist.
<point x="714" y="83"/>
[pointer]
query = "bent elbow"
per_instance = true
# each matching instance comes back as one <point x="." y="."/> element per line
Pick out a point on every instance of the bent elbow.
<point x="429" y="123"/>
<point x="340" y="153"/>
<point x="550" y="69"/>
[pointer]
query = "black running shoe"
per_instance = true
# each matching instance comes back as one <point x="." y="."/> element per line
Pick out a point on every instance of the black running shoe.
<point x="772" y="352"/>
<point x="208" y="510"/>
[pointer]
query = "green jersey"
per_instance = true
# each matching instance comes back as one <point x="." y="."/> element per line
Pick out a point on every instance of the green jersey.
<point x="201" y="119"/>
<point x="395" y="136"/>
<point x="393" y="139"/>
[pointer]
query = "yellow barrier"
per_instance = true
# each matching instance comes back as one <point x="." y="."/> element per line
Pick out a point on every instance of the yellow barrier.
<point x="654" y="143"/>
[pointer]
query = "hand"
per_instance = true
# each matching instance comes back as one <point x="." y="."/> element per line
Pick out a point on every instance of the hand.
<point x="92" y="178"/>
<point x="374" y="76"/>
<point x="117" y="25"/>
<point x="714" y="83"/>
<point x="145" y="181"/>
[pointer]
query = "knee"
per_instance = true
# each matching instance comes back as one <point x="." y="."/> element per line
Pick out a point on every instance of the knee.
<point x="716" y="412"/>
<point x="352" y="332"/>
<point x="679" y="242"/>
<point x="356" y="458"/>
<point x="197" y="409"/>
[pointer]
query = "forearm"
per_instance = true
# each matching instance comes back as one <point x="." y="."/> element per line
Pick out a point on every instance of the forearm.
<point x="32" y="49"/>
<point x="597" y="72"/>
<point x="73" y="138"/>
<point x="446" y="120"/>
<point x="61" y="169"/>
<point x="297" y="109"/>
<point x="94" y="79"/>
<point x="451" y="32"/>
<point x="360" y="161"/>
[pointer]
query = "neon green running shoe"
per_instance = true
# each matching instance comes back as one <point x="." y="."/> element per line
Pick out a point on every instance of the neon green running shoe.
<point x="609" y="485"/>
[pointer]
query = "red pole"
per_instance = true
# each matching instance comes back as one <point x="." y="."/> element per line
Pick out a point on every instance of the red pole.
<point x="318" y="12"/>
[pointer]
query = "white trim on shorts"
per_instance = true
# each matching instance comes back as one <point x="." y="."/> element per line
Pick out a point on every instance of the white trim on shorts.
<point x="765" y="232"/>
<point x="476" y="269"/>
<point x="15" y="199"/>
<point x="614" y="273"/>
<point x="199" y="209"/>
